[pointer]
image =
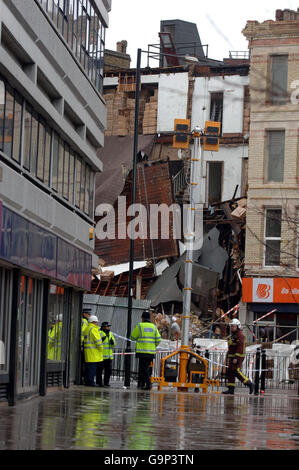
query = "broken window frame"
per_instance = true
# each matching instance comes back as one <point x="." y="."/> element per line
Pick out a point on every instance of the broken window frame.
<point x="217" y="116"/>
<point x="270" y="238"/>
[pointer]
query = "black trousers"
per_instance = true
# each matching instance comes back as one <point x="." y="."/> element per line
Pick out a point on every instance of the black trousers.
<point x="144" y="371"/>
<point x="90" y="372"/>
<point x="106" y="366"/>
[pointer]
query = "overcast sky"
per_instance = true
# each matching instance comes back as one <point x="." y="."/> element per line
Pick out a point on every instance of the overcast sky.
<point x="219" y="22"/>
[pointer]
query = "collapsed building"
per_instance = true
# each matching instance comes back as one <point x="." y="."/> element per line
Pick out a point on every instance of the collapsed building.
<point x="209" y="90"/>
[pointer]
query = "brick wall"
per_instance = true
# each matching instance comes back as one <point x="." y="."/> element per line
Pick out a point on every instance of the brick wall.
<point x="266" y="39"/>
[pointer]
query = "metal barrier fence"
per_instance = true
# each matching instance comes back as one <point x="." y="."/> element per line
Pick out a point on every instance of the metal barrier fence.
<point x="265" y="368"/>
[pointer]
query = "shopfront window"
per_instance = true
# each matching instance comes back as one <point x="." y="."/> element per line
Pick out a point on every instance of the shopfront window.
<point x="75" y="335"/>
<point x="56" y="324"/>
<point x="278" y="327"/>
<point x="287" y="327"/>
<point x="29" y="334"/>
<point x="5" y="317"/>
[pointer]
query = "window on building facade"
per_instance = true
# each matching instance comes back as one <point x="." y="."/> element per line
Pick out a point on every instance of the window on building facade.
<point x="82" y="29"/>
<point x="276" y="156"/>
<point x="279" y="79"/>
<point x="272" y="237"/>
<point x="51" y="163"/>
<point x="5" y="316"/>
<point x="10" y="121"/>
<point x="29" y="324"/>
<point x="279" y="325"/>
<point x="216" y="107"/>
<point x="56" y="327"/>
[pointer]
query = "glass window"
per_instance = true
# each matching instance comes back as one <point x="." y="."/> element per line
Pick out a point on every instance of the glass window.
<point x="78" y="181"/>
<point x="8" y="123"/>
<point x="279" y="79"/>
<point x="82" y="187"/>
<point x="5" y="316"/>
<point x="2" y="112"/>
<point x="41" y="151"/>
<point x="34" y="144"/>
<point x="276" y="154"/>
<point x="55" y="161"/>
<point x="29" y="334"/>
<point x="27" y="138"/>
<point x="87" y="189"/>
<point x="75" y="334"/>
<point x="56" y="323"/>
<point x="66" y="171"/>
<point x="287" y="327"/>
<point x="91" y="194"/>
<point x="60" y="166"/>
<point x="72" y="177"/>
<point x="47" y="155"/>
<point x="273" y="237"/>
<point x="17" y="134"/>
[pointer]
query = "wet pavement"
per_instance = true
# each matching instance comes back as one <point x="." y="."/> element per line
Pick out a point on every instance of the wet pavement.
<point x="83" y="418"/>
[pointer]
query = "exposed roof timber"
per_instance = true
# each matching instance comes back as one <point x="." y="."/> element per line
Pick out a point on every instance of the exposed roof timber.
<point x="198" y="70"/>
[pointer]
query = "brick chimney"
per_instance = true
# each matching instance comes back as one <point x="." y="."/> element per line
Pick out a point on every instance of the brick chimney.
<point x="121" y="46"/>
<point x="287" y="15"/>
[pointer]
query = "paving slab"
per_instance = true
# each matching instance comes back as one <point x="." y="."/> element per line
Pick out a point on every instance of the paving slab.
<point x="92" y="418"/>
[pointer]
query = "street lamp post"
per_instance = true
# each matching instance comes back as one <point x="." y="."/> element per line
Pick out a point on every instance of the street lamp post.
<point x="131" y="265"/>
<point x="192" y="60"/>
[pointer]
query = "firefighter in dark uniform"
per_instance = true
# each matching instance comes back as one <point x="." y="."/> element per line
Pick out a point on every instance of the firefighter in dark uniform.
<point x="236" y="355"/>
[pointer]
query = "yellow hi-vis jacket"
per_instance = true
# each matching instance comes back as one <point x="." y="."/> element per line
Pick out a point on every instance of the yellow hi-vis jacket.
<point x="84" y="325"/>
<point x="147" y="336"/>
<point x="107" y="346"/>
<point x="92" y="343"/>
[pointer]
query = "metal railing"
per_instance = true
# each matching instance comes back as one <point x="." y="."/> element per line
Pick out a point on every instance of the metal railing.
<point x="179" y="182"/>
<point x="239" y="54"/>
<point x="276" y="372"/>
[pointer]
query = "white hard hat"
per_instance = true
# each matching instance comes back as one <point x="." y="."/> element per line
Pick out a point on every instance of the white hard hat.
<point x="59" y="317"/>
<point x="173" y="319"/>
<point x="236" y="322"/>
<point x="93" y="319"/>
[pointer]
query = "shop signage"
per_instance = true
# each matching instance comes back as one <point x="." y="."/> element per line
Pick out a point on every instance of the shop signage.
<point x="270" y="290"/>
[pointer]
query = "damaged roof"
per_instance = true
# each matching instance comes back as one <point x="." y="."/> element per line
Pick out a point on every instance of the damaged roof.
<point x="209" y="263"/>
<point x="117" y="158"/>
<point x="153" y="187"/>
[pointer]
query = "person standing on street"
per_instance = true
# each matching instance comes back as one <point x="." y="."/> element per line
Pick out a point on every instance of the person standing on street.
<point x="236" y="355"/>
<point x="93" y="350"/>
<point x="86" y="312"/>
<point x="108" y="345"/>
<point x="147" y="337"/>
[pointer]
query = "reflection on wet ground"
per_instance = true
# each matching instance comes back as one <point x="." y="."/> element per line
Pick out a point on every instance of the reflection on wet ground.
<point x="92" y="418"/>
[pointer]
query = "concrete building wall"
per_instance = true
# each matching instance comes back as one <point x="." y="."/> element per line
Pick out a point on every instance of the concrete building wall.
<point x="232" y="88"/>
<point x="41" y="45"/>
<point x="172" y="100"/>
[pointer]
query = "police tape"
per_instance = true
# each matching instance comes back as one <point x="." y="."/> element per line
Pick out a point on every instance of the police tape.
<point x="122" y="337"/>
<point x="212" y="362"/>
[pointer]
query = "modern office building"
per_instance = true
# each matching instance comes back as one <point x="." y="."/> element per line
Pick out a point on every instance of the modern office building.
<point x="52" y="121"/>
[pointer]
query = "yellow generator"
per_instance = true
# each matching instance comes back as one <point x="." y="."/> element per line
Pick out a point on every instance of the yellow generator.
<point x="178" y="370"/>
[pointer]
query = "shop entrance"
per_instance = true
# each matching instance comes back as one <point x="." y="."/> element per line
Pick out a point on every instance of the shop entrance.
<point x="29" y="335"/>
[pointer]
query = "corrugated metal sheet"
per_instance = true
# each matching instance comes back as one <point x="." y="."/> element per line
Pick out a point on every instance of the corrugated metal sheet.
<point x="115" y="310"/>
<point x="153" y="186"/>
